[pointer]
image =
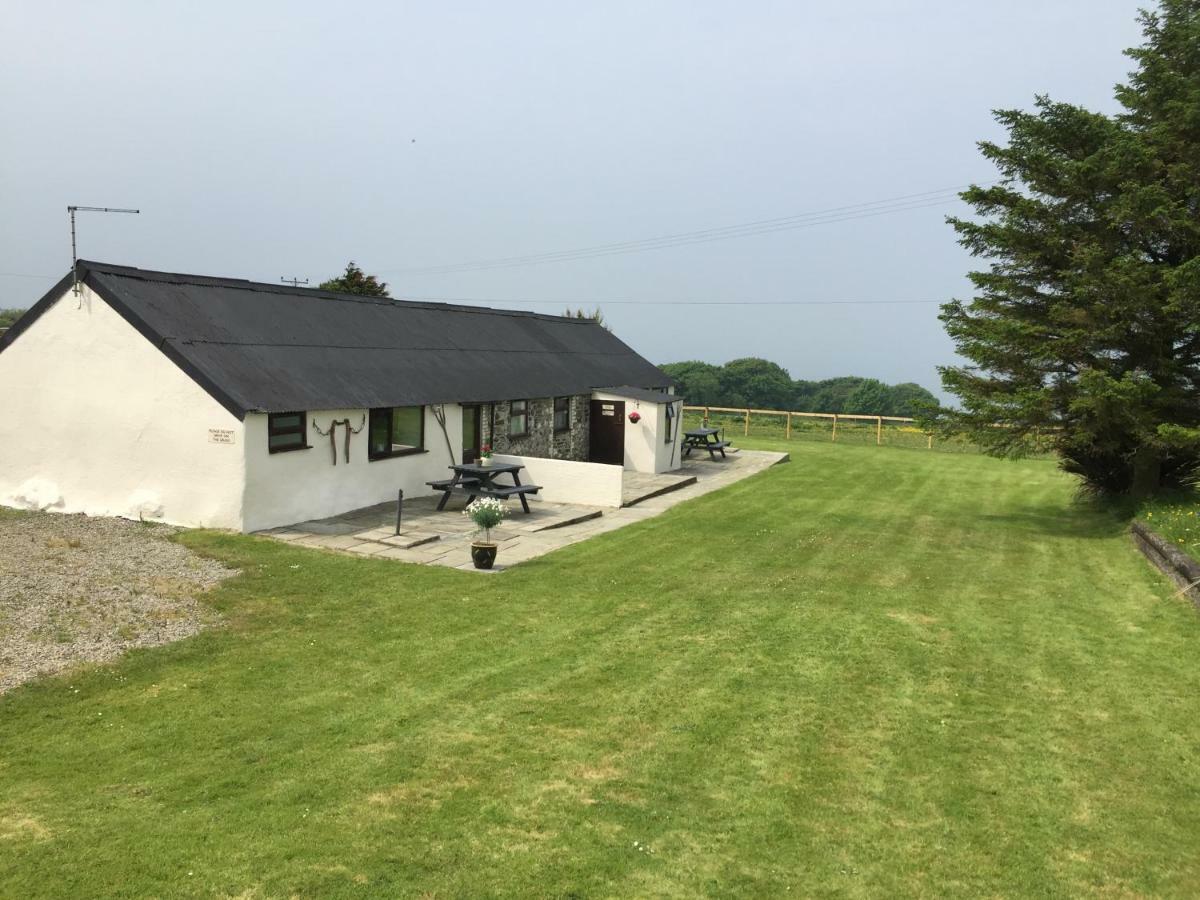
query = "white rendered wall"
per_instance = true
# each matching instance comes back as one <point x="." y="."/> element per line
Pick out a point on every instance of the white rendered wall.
<point x="666" y="455"/>
<point x="94" y="419"/>
<point x="285" y="488"/>
<point x="565" y="481"/>
<point x="646" y="447"/>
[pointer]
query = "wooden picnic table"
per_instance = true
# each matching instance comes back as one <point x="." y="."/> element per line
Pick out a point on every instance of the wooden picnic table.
<point x="704" y="439"/>
<point x="480" y="481"/>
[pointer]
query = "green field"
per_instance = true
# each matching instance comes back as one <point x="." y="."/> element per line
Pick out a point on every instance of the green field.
<point x="869" y="672"/>
<point x="859" y="432"/>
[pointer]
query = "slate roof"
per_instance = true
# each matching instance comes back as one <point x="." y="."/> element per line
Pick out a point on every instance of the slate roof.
<point x="273" y="348"/>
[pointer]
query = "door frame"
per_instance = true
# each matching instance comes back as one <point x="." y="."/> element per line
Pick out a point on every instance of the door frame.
<point x="475" y="410"/>
<point x="595" y="417"/>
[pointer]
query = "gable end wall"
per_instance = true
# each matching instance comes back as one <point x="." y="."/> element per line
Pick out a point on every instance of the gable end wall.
<point x="95" y="419"/>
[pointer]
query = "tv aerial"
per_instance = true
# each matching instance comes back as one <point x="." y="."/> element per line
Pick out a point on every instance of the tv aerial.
<point x="71" y="210"/>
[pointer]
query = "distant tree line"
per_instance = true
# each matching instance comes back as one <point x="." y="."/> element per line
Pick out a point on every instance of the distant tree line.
<point x="761" y="384"/>
<point x="8" y="316"/>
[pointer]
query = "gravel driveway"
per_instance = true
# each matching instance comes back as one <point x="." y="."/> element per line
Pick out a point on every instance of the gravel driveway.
<point x="76" y="589"/>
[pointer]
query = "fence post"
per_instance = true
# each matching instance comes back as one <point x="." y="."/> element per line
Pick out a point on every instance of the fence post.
<point x="835" y="421"/>
<point x="706" y="417"/>
<point x="789" y="427"/>
<point x="747" y="431"/>
<point x="929" y="445"/>
<point x="878" y="430"/>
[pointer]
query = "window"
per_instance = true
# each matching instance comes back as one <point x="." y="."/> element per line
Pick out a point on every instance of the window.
<point x="286" y="431"/>
<point x="395" y="431"/>
<point x="518" y="418"/>
<point x="670" y="435"/>
<point x="562" y="413"/>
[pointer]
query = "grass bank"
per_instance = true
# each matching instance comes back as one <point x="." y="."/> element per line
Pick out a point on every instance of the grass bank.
<point x="1177" y="518"/>
<point x="871" y="671"/>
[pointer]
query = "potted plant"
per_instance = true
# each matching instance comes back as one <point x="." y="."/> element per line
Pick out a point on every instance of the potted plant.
<point x="485" y="455"/>
<point x="635" y="417"/>
<point x="486" y="513"/>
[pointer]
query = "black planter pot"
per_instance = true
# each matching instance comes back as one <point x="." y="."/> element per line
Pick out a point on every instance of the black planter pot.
<point x="483" y="555"/>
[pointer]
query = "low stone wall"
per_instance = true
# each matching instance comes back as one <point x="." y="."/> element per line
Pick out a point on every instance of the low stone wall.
<point x="1168" y="558"/>
<point x="565" y="481"/>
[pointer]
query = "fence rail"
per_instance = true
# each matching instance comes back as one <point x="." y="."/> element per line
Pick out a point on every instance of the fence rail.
<point x="834" y="419"/>
<point x="851" y="428"/>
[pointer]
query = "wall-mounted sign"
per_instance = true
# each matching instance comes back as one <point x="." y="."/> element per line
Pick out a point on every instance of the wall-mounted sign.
<point x="222" y="436"/>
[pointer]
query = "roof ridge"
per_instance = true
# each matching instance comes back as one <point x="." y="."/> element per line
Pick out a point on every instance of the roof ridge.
<point x="246" y="284"/>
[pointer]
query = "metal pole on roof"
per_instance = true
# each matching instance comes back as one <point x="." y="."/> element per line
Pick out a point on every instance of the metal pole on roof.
<point x="71" y="210"/>
<point x="293" y="281"/>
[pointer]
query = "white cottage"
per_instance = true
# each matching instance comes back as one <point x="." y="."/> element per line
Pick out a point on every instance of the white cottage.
<point x="226" y="403"/>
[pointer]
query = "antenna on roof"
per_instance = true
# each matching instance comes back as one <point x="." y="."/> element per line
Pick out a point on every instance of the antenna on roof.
<point x="294" y="282"/>
<point x="74" y="257"/>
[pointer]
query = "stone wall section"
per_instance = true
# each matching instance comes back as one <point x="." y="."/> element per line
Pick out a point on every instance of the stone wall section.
<point x="1169" y="559"/>
<point x="542" y="440"/>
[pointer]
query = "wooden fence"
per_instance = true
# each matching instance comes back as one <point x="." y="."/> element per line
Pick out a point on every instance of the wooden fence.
<point x="833" y="420"/>
<point x="898" y="431"/>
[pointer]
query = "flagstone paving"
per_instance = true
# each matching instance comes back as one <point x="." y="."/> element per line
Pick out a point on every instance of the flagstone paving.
<point x="443" y="538"/>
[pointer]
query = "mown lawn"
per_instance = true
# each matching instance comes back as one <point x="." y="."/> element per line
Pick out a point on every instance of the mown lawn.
<point x="867" y="672"/>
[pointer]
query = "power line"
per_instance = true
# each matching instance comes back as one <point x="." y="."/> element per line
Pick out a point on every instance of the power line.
<point x="575" y="301"/>
<point x="832" y="215"/>
<point x="715" y="233"/>
<point x="924" y="200"/>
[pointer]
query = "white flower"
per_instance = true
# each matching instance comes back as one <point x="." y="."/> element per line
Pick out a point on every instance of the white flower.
<point x="486" y="512"/>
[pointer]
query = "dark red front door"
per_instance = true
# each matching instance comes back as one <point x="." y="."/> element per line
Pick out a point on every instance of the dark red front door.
<point x="608" y="432"/>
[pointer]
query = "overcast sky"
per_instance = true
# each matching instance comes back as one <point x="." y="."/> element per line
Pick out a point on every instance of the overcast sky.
<point x="276" y="139"/>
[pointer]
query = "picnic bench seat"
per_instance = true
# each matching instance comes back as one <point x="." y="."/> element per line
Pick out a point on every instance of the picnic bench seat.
<point x="472" y="488"/>
<point x="713" y="447"/>
<point x="509" y="490"/>
<point x="445" y="483"/>
<point x="502" y="491"/>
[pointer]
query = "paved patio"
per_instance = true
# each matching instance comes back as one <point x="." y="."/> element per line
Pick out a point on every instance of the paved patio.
<point x="444" y="538"/>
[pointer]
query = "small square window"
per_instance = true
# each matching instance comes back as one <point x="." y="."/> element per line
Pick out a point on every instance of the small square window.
<point x="562" y="414"/>
<point x="518" y="418"/>
<point x="286" y="431"/>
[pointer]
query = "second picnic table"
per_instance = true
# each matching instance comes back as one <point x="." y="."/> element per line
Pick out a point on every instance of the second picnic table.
<point x="480" y="481"/>
<point x="703" y="439"/>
